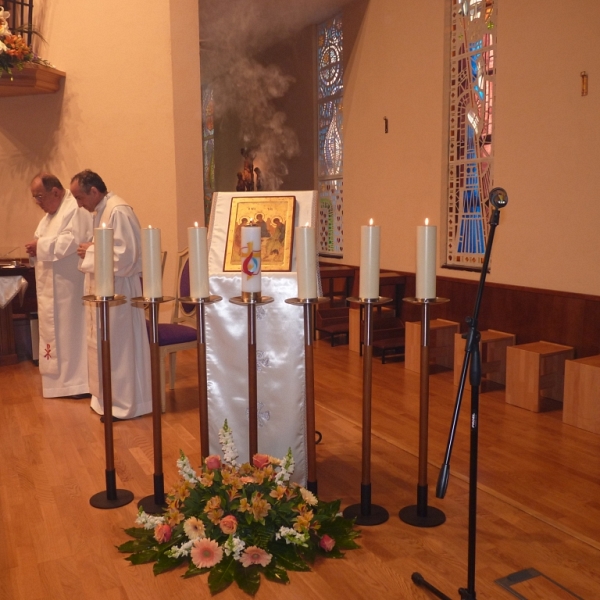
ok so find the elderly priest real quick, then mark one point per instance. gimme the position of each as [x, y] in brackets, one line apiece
[59, 284]
[130, 348]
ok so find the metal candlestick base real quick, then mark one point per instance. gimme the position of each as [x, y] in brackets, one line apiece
[422, 515]
[112, 497]
[309, 379]
[155, 503]
[365, 512]
[202, 377]
[251, 301]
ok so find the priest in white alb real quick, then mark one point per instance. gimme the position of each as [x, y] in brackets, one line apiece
[130, 348]
[59, 285]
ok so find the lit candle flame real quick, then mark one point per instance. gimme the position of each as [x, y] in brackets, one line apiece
[306, 224]
[103, 225]
[195, 223]
[370, 221]
[426, 221]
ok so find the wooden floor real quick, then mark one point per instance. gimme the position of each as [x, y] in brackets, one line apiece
[538, 500]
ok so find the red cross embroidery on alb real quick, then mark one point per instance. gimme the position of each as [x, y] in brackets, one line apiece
[48, 354]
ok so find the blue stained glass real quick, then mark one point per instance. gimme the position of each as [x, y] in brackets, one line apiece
[330, 58]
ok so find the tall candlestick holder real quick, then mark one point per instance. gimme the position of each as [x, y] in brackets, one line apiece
[422, 515]
[251, 300]
[111, 497]
[367, 513]
[309, 305]
[155, 503]
[202, 378]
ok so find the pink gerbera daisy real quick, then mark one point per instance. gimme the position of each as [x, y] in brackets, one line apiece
[255, 556]
[206, 553]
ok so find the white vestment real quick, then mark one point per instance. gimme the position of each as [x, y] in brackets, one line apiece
[129, 345]
[59, 283]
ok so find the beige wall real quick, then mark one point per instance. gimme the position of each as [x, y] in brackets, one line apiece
[129, 109]
[547, 137]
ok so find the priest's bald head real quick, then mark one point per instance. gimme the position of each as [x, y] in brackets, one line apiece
[47, 191]
[88, 189]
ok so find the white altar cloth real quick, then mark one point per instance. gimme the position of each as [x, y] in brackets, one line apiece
[279, 345]
[10, 287]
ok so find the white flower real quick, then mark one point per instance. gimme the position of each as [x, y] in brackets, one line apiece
[178, 551]
[3, 47]
[148, 521]
[291, 536]
[234, 545]
[286, 468]
[185, 469]
[230, 452]
[4, 22]
[308, 497]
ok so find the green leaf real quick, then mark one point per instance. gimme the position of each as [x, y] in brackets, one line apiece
[193, 570]
[273, 572]
[133, 546]
[288, 558]
[166, 563]
[143, 557]
[221, 575]
[140, 533]
[248, 578]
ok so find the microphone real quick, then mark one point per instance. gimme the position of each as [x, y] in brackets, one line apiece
[498, 198]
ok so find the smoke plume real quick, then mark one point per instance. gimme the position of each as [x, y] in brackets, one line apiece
[232, 34]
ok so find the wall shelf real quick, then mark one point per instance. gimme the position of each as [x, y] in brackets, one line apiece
[33, 79]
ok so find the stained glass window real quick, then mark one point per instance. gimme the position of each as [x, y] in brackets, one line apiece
[330, 85]
[472, 75]
[208, 147]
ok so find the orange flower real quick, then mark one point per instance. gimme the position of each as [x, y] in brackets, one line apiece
[162, 533]
[278, 493]
[213, 510]
[255, 556]
[228, 524]
[260, 507]
[260, 461]
[206, 553]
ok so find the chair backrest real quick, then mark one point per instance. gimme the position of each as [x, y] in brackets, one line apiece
[183, 312]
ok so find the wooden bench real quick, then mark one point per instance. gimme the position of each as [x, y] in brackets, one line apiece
[441, 343]
[581, 403]
[492, 347]
[390, 348]
[535, 374]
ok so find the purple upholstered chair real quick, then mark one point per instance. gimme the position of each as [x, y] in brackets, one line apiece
[175, 336]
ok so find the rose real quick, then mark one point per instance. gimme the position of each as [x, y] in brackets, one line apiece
[327, 543]
[162, 533]
[213, 461]
[260, 460]
[228, 524]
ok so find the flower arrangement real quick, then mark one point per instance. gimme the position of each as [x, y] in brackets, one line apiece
[15, 53]
[236, 522]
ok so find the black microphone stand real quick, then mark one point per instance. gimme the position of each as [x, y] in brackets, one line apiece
[498, 199]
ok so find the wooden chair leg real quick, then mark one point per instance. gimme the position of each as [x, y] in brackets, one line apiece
[172, 359]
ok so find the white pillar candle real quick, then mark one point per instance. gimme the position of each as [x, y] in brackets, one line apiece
[426, 260]
[151, 263]
[198, 262]
[306, 262]
[369, 261]
[250, 254]
[104, 277]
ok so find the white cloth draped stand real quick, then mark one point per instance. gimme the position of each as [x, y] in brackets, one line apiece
[280, 348]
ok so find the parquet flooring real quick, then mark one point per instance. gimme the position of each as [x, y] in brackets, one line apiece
[538, 499]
